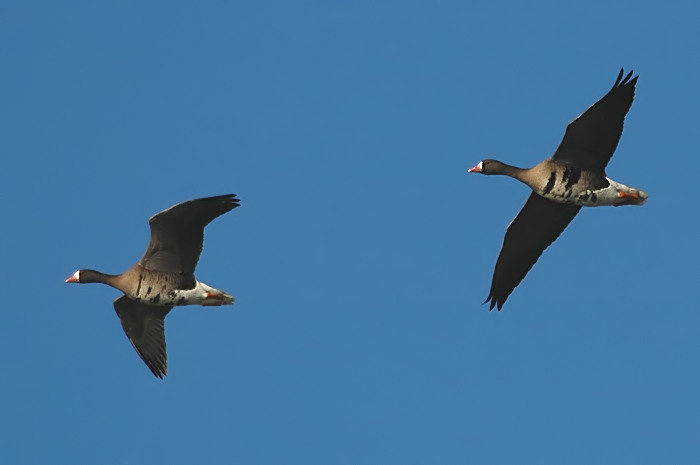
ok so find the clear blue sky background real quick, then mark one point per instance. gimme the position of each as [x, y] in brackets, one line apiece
[362, 251]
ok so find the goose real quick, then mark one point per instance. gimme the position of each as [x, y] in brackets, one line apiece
[164, 277]
[572, 178]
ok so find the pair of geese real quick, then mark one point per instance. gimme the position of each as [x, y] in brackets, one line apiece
[571, 178]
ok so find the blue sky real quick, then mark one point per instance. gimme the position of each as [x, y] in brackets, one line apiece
[362, 250]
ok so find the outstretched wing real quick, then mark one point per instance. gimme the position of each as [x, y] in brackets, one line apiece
[144, 326]
[538, 224]
[590, 140]
[177, 233]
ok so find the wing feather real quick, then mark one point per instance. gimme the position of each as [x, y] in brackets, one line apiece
[535, 227]
[144, 325]
[177, 233]
[591, 139]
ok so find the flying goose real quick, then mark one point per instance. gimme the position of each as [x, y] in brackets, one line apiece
[571, 178]
[164, 277]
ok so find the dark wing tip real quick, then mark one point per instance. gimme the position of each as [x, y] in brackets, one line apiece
[227, 201]
[495, 301]
[231, 199]
[619, 77]
[220, 203]
[155, 358]
[159, 373]
[158, 367]
[619, 82]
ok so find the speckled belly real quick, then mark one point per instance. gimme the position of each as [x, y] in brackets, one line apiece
[568, 190]
[156, 288]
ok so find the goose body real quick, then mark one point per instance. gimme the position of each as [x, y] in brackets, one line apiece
[568, 184]
[164, 277]
[572, 178]
[156, 288]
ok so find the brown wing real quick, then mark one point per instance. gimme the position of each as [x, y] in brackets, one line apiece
[590, 140]
[177, 233]
[538, 224]
[144, 326]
